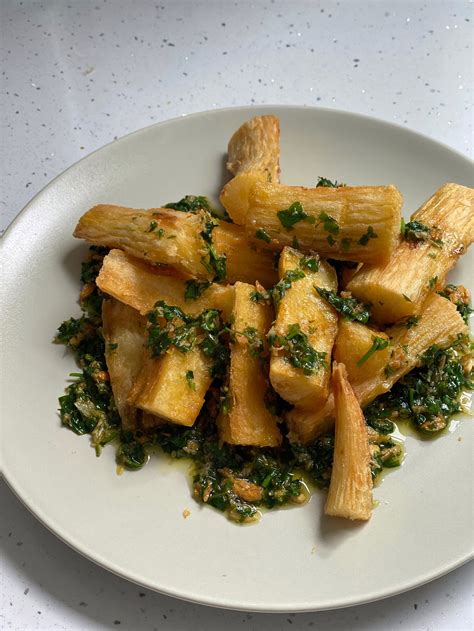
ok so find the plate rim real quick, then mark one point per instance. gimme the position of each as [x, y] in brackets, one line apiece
[227, 605]
[29, 503]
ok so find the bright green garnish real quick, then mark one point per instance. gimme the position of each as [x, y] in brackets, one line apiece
[329, 224]
[195, 288]
[428, 395]
[190, 204]
[170, 326]
[378, 344]
[350, 308]
[297, 350]
[255, 342]
[190, 379]
[416, 231]
[260, 296]
[370, 234]
[310, 262]
[324, 182]
[212, 262]
[280, 289]
[292, 215]
[263, 235]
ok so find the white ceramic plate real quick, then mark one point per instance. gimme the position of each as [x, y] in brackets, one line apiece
[294, 560]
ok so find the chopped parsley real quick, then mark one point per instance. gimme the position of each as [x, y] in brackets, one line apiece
[459, 296]
[263, 235]
[297, 350]
[213, 262]
[349, 307]
[131, 453]
[324, 182]
[378, 344]
[260, 296]
[346, 244]
[292, 215]
[190, 204]
[295, 243]
[409, 322]
[370, 234]
[160, 233]
[310, 263]
[277, 292]
[195, 288]
[255, 343]
[329, 224]
[88, 406]
[170, 326]
[432, 282]
[280, 289]
[91, 297]
[216, 263]
[416, 231]
[190, 379]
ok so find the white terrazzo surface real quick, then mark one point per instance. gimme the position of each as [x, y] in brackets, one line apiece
[76, 74]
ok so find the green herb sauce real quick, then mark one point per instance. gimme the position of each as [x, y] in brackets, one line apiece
[350, 308]
[224, 475]
[297, 350]
[429, 395]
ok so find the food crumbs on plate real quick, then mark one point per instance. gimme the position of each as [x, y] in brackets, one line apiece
[313, 550]
[459, 439]
[186, 513]
[119, 470]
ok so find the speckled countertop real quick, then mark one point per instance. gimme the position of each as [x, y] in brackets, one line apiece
[78, 74]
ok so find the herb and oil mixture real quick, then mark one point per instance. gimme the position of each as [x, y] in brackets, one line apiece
[236, 479]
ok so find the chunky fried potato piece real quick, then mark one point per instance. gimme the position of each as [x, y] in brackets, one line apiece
[350, 489]
[140, 286]
[244, 261]
[164, 387]
[248, 421]
[175, 239]
[359, 223]
[302, 305]
[398, 287]
[157, 235]
[353, 341]
[124, 336]
[253, 155]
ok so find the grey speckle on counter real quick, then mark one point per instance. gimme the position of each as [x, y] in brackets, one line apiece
[46, 585]
[76, 75]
